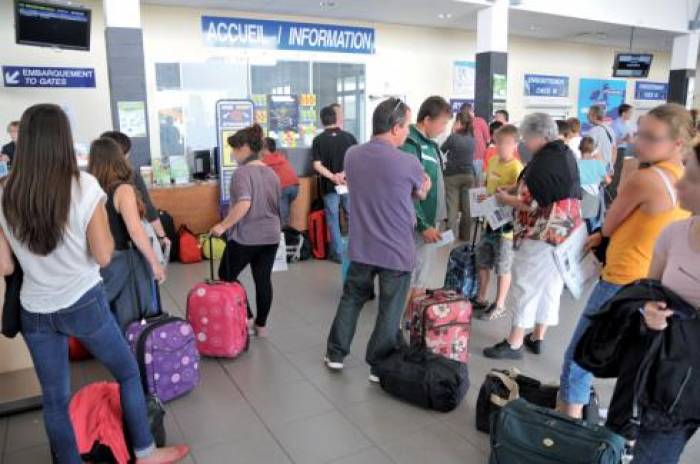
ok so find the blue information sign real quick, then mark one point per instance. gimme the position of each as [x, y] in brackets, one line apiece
[280, 35]
[645, 90]
[537, 85]
[456, 103]
[37, 76]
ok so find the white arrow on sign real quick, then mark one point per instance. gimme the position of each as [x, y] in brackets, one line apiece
[11, 78]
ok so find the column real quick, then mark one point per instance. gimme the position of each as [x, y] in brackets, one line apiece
[491, 56]
[681, 79]
[127, 75]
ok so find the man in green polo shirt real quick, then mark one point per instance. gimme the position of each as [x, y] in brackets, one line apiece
[433, 116]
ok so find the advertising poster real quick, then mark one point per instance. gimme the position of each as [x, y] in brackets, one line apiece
[500, 87]
[609, 93]
[231, 116]
[463, 75]
[132, 118]
[283, 120]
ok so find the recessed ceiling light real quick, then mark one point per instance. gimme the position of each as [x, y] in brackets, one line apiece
[534, 28]
[327, 4]
[445, 15]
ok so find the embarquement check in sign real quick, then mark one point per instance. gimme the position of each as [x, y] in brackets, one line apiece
[48, 77]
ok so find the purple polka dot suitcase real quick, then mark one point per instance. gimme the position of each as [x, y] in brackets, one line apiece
[166, 352]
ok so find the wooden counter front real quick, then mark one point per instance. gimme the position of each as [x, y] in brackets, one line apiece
[195, 204]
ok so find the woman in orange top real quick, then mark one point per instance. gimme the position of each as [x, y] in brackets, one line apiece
[645, 205]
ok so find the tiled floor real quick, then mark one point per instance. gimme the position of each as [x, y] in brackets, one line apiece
[278, 404]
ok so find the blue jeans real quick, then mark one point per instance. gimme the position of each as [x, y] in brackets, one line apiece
[358, 288]
[575, 387]
[332, 203]
[289, 194]
[661, 448]
[90, 321]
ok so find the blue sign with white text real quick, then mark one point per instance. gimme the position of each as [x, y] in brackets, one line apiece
[456, 103]
[37, 76]
[281, 35]
[645, 90]
[546, 86]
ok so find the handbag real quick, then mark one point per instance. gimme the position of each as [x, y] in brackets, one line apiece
[189, 248]
[524, 433]
[12, 306]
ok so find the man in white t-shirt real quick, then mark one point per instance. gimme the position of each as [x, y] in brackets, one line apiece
[603, 136]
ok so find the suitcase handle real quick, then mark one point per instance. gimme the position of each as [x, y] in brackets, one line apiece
[211, 257]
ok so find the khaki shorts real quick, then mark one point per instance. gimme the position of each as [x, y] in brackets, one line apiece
[495, 252]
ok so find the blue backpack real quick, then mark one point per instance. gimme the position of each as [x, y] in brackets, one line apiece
[462, 275]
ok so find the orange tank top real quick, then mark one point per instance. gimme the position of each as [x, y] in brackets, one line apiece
[632, 244]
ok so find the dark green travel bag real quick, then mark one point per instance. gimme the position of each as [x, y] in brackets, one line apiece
[523, 433]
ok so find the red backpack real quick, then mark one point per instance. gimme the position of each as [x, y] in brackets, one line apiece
[188, 245]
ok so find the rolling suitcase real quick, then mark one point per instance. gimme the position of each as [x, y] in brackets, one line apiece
[218, 313]
[462, 276]
[440, 321]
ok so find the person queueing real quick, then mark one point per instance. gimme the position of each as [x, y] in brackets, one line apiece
[128, 279]
[383, 183]
[593, 175]
[328, 151]
[433, 116]
[495, 250]
[676, 263]
[289, 180]
[151, 212]
[253, 221]
[7, 153]
[54, 220]
[459, 174]
[643, 208]
[547, 210]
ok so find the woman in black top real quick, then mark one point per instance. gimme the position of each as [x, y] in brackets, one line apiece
[459, 174]
[128, 270]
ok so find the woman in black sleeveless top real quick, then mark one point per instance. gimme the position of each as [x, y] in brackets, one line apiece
[129, 277]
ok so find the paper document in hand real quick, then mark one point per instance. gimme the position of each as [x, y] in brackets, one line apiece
[480, 208]
[499, 217]
[575, 265]
[447, 238]
[341, 189]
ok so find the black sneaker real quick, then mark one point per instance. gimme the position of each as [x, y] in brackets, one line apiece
[492, 313]
[479, 306]
[503, 351]
[533, 345]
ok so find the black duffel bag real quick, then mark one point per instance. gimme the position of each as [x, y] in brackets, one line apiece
[424, 378]
[503, 386]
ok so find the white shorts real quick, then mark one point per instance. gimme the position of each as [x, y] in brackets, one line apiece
[427, 264]
[537, 286]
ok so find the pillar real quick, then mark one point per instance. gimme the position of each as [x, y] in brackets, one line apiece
[491, 55]
[681, 79]
[126, 70]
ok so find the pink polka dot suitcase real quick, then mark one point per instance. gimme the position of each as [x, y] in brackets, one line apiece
[166, 352]
[218, 314]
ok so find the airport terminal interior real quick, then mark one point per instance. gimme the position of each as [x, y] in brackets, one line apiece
[349, 231]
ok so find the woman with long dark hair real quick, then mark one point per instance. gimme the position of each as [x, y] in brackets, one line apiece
[253, 221]
[459, 174]
[128, 279]
[54, 220]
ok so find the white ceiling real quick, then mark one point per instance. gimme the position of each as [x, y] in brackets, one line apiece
[462, 16]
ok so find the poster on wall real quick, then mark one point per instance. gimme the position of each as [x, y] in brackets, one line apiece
[463, 75]
[283, 120]
[537, 85]
[608, 93]
[500, 87]
[231, 116]
[132, 118]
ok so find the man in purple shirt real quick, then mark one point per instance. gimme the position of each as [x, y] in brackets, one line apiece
[382, 183]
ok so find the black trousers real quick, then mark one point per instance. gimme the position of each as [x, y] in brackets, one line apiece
[261, 259]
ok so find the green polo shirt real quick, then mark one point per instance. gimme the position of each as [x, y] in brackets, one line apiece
[428, 153]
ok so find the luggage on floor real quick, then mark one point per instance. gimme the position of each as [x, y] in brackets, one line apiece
[189, 250]
[440, 321]
[462, 275]
[503, 386]
[166, 353]
[218, 312]
[424, 379]
[318, 234]
[77, 351]
[524, 433]
[166, 220]
[217, 246]
[298, 245]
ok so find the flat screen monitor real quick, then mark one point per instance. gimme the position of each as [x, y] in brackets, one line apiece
[49, 25]
[634, 65]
